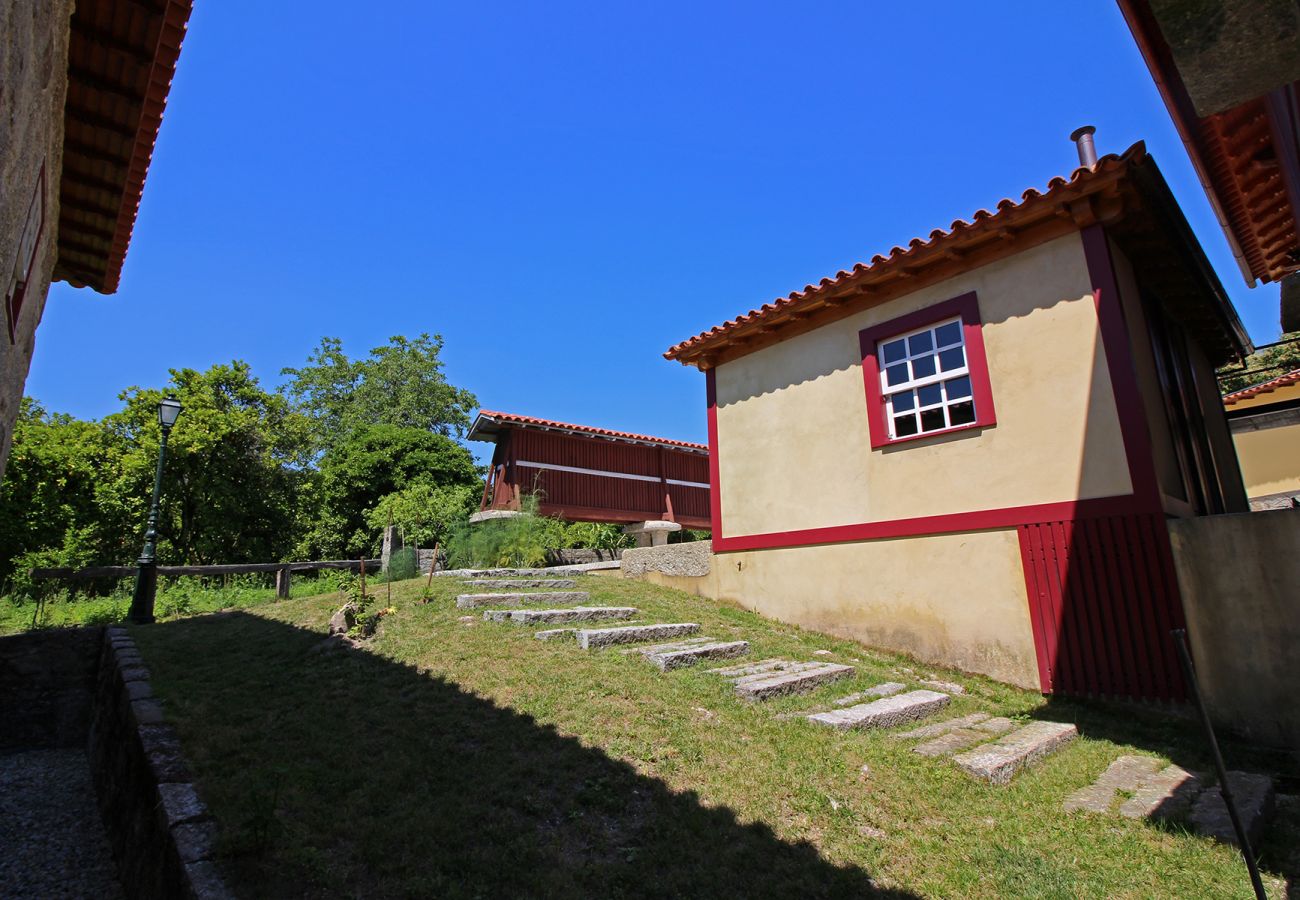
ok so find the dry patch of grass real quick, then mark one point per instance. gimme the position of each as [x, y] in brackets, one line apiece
[467, 759]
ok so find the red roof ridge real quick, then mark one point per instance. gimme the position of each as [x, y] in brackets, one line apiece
[588, 429]
[1264, 387]
[981, 219]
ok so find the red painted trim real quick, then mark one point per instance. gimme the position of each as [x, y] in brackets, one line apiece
[715, 486]
[966, 306]
[1119, 362]
[953, 523]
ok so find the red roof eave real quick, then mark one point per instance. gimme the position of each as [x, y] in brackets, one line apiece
[1266, 387]
[501, 418]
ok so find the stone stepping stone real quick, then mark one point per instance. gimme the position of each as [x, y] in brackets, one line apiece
[961, 738]
[548, 616]
[946, 686]
[1254, 797]
[999, 761]
[1124, 774]
[555, 634]
[519, 584]
[796, 679]
[886, 712]
[594, 638]
[887, 689]
[938, 728]
[676, 656]
[472, 601]
[1166, 795]
[757, 668]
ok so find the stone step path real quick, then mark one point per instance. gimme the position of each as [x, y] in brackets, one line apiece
[1171, 793]
[674, 656]
[473, 601]
[555, 616]
[961, 738]
[887, 689]
[519, 584]
[778, 677]
[887, 712]
[999, 761]
[595, 638]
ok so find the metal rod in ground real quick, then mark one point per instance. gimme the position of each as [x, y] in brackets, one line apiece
[1180, 640]
[433, 564]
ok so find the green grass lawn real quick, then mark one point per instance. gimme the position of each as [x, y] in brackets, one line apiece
[456, 758]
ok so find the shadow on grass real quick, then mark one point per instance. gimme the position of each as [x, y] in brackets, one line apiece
[345, 773]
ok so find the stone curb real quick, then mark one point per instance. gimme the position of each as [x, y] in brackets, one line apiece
[186, 821]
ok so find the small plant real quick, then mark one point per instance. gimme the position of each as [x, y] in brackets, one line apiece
[402, 565]
[353, 589]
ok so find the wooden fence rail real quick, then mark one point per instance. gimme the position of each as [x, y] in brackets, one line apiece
[282, 570]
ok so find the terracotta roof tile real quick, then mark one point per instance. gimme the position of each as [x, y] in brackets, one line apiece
[1059, 189]
[530, 421]
[1265, 387]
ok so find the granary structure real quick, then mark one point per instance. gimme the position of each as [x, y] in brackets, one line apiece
[1229, 73]
[1265, 424]
[82, 93]
[585, 474]
[968, 449]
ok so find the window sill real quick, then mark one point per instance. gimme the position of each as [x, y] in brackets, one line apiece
[929, 435]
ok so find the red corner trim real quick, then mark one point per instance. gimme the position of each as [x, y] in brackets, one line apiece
[715, 487]
[1119, 363]
[966, 306]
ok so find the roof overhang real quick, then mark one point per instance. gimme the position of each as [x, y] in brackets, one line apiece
[1230, 77]
[1127, 194]
[489, 425]
[121, 58]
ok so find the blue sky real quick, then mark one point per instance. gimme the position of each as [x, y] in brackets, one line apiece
[564, 190]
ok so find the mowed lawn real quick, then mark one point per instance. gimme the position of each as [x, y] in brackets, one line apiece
[457, 758]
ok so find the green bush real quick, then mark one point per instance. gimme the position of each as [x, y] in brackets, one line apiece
[403, 565]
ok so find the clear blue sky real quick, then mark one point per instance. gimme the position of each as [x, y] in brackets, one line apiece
[564, 190]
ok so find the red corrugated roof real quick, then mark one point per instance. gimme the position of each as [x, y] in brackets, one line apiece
[919, 251]
[1266, 387]
[530, 421]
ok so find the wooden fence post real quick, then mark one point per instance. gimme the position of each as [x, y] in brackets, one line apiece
[282, 583]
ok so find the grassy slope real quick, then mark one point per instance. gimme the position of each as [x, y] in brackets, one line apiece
[459, 758]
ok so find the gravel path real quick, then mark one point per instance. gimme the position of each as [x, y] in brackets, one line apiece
[52, 842]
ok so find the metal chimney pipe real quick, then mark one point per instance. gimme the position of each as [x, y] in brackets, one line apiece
[1082, 138]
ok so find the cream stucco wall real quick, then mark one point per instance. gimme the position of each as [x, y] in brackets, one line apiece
[1270, 460]
[955, 600]
[794, 448]
[33, 82]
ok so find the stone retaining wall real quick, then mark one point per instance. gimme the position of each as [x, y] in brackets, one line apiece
[692, 560]
[47, 687]
[161, 833]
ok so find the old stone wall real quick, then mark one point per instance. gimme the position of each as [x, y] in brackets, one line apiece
[161, 833]
[1240, 580]
[33, 84]
[691, 559]
[47, 687]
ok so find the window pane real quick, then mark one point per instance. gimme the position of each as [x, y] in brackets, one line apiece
[930, 394]
[903, 401]
[948, 334]
[904, 425]
[923, 367]
[893, 351]
[919, 343]
[961, 413]
[958, 387]
[932, 419]
[896, 374]
[952, 358]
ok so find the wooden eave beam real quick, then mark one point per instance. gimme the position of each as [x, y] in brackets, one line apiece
[69, 201]
[108, 41]
[90, 182]
[100, 122]
[79, 247]
[98, 154]
[94, 81]
[86, 228]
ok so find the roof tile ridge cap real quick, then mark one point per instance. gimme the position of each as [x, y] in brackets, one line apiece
[1261, 388]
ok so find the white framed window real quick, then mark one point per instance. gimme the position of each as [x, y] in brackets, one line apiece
[925, 380]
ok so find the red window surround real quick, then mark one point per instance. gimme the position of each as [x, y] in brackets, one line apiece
[967, 307]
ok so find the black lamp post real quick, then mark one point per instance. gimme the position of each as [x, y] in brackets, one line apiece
[146, 576]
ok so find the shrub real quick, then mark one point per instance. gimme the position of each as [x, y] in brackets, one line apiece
[403, 565]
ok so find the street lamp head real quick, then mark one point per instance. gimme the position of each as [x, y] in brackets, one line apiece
[169, 410]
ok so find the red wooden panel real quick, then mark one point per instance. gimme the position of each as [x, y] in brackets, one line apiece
[1102, 601]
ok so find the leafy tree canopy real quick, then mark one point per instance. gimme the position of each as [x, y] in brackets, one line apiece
[400, 384]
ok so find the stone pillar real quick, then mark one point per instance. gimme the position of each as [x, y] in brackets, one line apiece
[392, 543]
[653, 533]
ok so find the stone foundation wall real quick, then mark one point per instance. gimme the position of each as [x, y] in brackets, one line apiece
[47, 687]
[692, 559]
[161, 833]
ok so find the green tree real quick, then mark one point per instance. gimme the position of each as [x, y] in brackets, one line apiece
[1265, 364]
[52, 498]
[235, 467]
[400, 384]
[372, 462]
[424, 512]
